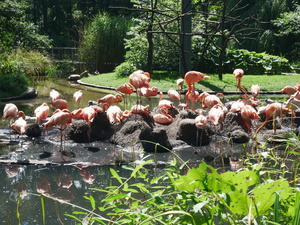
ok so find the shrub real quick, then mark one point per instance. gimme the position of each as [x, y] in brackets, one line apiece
[256, 63]
[125, 69]
[63, 68]
[29, 63]
[102, 47]
[12, 84]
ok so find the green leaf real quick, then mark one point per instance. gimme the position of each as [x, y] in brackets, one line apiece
[156, 179]
[116, 175]
[115, 197]
[241, 180]
[264, 194]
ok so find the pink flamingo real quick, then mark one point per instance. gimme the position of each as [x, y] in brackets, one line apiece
[192, 77]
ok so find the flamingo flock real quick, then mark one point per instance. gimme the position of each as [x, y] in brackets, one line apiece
[213, 109]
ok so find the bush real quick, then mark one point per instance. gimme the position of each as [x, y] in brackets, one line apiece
[63, 68]
[29, 63]
[256, 63]
[102, 47]
[12, 84]
[125, 69]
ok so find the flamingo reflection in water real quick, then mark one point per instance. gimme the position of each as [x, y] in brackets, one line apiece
[43, 185]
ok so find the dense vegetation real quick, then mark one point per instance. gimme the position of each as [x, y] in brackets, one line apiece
[147, 35]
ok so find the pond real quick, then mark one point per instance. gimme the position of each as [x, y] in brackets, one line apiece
[38, 165]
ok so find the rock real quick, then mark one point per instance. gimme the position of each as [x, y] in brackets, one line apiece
[74, 77]
[239, 136]
[33, 130]
[29, 93]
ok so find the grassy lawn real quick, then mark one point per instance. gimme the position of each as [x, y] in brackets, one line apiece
[164, 83]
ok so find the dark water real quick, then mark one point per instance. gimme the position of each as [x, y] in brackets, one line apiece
[69, 172]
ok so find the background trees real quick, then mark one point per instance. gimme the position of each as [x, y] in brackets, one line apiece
[148, 34]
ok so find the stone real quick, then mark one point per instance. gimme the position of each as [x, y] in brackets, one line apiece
[33, 130]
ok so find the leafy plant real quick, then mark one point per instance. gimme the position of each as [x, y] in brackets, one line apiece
[202, 196]
[102, 47]
[12, 84]
[16, 29]
[256, 63]
[125, 69]
[29, 63]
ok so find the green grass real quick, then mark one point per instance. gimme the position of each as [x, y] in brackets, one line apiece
[164, 82]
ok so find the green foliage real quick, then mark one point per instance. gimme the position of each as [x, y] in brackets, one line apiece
[166, 48]
[288, 22]
[12, 84]
[63, 68]
[202, 196]
[125, 69]
[29, 63]
[102, 47]
[15, 28]
[256, 63]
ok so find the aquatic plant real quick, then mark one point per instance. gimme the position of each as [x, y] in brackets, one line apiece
[201, 196]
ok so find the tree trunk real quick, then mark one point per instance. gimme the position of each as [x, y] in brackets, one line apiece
[186, 40]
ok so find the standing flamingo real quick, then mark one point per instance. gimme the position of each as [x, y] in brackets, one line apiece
[126, 89]
[288, 90]
[192, 77]
[255, 89]
[54, 95]
[173, 94]
[147, 92]
[10, 111]
[238, 74]
[179, 84]
[60, 118]
[139, 79]
[89, 113]
[248, 113]
[41, 112]
[77, 96]
[274, 110]
[193, 96]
